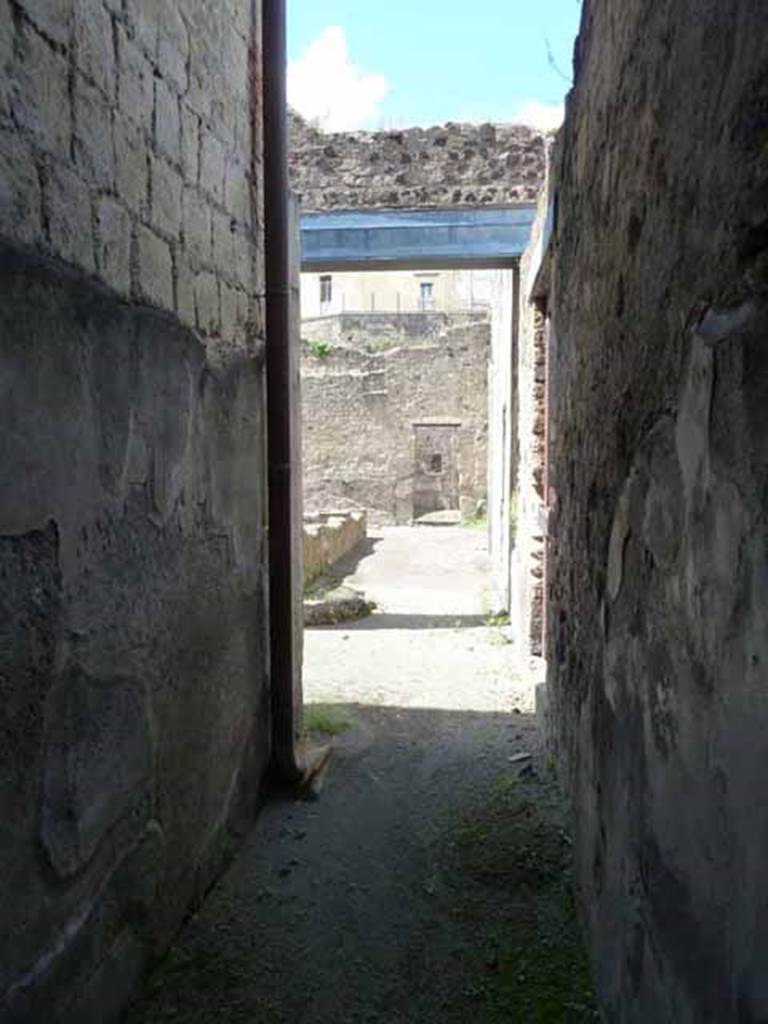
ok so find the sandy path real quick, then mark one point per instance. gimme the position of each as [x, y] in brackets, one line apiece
[428, 644]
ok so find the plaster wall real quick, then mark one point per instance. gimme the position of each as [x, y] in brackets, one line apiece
[658, 618]
[502, 439]
[395, 291]
[133, 636]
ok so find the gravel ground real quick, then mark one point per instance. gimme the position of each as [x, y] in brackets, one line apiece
[429, 883]
[429, 643]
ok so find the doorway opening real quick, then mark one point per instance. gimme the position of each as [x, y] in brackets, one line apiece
[436, 469]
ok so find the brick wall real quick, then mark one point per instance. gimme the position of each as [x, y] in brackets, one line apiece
[527, 604]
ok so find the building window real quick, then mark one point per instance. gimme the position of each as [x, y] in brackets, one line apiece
[326, 289]
[426, 299]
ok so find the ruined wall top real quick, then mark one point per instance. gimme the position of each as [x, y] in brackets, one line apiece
[446, 165]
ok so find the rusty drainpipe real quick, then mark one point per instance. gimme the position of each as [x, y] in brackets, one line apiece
[285, 761]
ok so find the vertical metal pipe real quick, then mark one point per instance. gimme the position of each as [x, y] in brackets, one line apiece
[545, 569]
[279, 398]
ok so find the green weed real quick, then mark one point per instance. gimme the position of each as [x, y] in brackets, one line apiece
[325, 720]
[497, 619]
[321, 349]
[475, 522]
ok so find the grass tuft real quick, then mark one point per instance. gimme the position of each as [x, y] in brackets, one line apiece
[475, 522]
[324, 720]
[497, 619]
[507, 868]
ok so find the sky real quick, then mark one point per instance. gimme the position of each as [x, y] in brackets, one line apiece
[395, 63]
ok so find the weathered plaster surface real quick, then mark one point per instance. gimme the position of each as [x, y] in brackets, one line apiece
[132, 634]
[133, 638]
[502, 438]
[659, 593]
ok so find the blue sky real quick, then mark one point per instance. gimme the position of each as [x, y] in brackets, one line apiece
[392, 63]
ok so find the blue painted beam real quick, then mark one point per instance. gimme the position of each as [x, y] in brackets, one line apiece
[487, 237]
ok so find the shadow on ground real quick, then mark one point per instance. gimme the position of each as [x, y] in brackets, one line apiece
[429, 883]
[404, 620]
[347, 565]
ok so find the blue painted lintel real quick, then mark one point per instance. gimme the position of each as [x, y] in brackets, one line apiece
[484, 237]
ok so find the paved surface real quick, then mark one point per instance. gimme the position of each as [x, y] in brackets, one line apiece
[429, 883]
[429, 643]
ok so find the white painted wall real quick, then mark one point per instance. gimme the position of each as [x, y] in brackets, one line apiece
[393, 291]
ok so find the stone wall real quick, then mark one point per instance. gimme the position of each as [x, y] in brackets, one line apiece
[364, 401]
[373, 331]
[528, 563]
[329, 536]
[133, 635]
[448, 165]
[658, 621]
[126, 150]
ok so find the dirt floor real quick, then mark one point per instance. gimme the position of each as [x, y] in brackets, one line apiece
[430, 881]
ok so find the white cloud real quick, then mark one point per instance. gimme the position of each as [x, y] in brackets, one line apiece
[544, 116]
[326, 87]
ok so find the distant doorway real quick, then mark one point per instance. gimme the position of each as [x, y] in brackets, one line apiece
[435, 473]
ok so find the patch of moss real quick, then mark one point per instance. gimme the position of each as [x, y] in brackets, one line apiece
[324, 720]
[507, 866]
[541, 974]
[318, 585]
[475, 522]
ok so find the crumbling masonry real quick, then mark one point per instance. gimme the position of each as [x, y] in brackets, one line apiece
[447, 165]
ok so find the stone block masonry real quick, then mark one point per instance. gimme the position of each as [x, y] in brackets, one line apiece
[134, 688]
[328, 537]
[125, 136]
[395, 413]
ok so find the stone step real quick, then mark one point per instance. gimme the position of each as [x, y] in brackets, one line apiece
[446, 517]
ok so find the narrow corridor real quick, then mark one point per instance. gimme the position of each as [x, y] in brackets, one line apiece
[431, 880]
